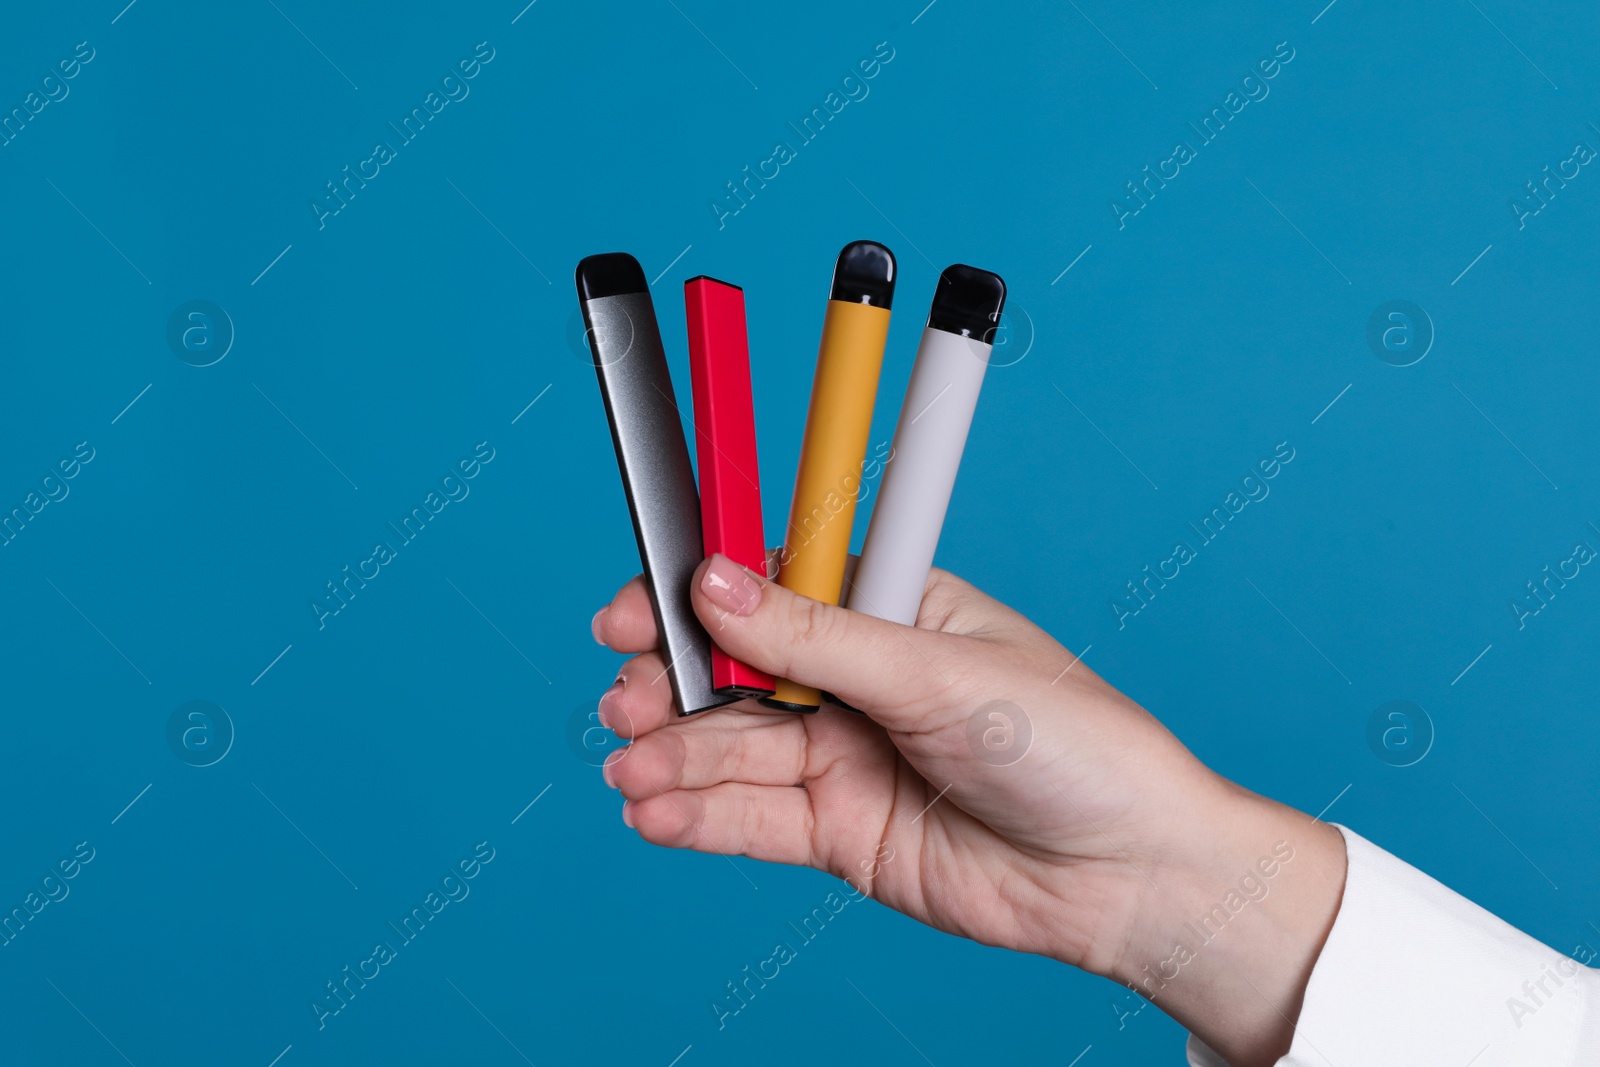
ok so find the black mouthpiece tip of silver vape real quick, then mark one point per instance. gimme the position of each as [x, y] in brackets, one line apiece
[609, 274]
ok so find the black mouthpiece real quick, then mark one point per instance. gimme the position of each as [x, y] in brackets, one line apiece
[968, 302]
[609, 274]
[864, 275]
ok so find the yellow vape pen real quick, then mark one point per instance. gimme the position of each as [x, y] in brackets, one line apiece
[833, 452]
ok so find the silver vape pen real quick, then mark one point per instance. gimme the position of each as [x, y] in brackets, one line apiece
[653, 457]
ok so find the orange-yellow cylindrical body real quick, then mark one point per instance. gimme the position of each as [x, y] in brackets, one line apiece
[828, 482]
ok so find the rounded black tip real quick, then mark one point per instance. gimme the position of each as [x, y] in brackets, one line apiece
[836, 702]
[609, 274]
[968, 302]
[784, 705]
[743, 692]
[864, 275]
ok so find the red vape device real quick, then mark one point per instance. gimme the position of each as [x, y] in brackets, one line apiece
[725, 446]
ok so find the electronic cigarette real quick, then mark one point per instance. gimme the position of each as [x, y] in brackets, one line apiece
[725, 447]
[653, 457]
[834, 449]
[934, 420]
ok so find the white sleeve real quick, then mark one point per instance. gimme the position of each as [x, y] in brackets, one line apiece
[1413, 973]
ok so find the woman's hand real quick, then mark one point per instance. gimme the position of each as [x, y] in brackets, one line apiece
[995, 788]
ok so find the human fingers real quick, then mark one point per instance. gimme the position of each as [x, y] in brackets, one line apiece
[640, 700]
[881, 667]
[764, 822]
[627, 624]
[755, 749]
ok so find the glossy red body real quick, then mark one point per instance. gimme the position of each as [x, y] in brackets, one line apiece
[725, 450]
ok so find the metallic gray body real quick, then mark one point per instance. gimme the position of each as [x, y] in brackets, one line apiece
[625, 344]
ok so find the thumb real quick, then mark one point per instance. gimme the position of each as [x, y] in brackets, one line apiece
[879, 666]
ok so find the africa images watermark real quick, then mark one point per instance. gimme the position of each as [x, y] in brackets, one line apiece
[1254, 487]
[1253, 887]
[54, 88]
[1539, 196]
[1255, 88]
[787, 951]
[454, 88]
[54, 488]
[52, 889]
[453, 888]
[455, 489]
[854, 88]
[851, 490]
[1526, 605]
[1536, 992]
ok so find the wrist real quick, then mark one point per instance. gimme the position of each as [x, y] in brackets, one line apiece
[1231, 918]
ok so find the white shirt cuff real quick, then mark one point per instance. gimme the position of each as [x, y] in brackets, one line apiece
[1414, 973]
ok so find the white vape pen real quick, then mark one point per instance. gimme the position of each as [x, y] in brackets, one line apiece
[934, 420]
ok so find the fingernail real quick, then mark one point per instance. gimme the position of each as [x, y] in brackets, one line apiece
[627, 814]
[605, 768]
[730, 587]
[594, 625]
[608, 698]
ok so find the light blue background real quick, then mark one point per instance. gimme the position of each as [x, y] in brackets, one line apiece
[427, 715]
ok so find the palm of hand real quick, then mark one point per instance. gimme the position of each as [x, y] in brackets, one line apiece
[1017, 848]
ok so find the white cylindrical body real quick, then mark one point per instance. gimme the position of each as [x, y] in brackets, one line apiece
[919, 476]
